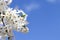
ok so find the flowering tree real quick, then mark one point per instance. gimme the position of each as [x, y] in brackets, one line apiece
[11, 19]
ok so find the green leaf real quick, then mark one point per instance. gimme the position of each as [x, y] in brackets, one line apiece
[23, 15]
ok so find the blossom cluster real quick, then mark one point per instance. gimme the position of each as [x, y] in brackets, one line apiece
[11, 19]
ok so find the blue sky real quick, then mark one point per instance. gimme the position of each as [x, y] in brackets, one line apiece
[43, 18]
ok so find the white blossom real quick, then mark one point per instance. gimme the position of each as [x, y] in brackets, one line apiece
[12, 19]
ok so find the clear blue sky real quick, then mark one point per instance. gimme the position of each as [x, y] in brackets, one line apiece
[43, 18]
